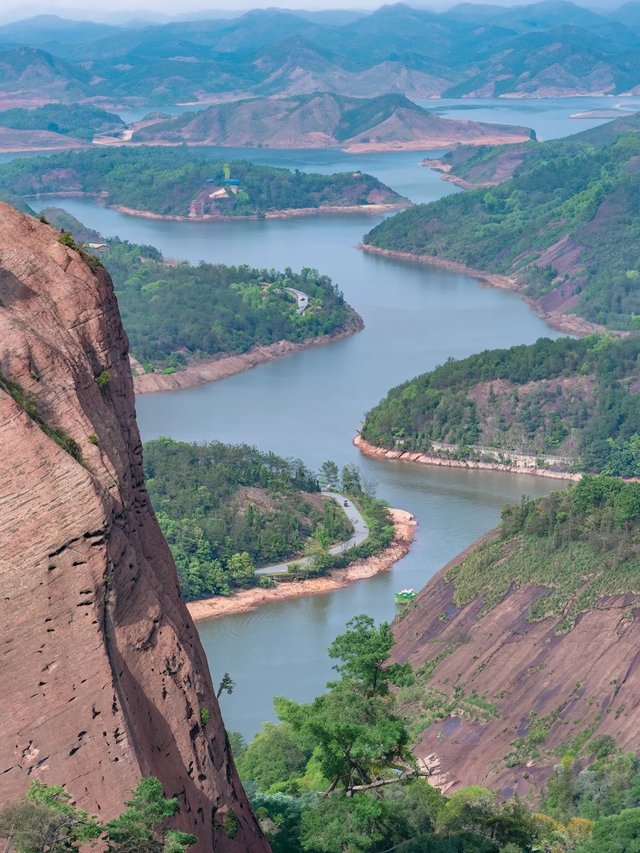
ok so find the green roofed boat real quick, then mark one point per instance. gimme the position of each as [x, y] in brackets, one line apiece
[405, 596]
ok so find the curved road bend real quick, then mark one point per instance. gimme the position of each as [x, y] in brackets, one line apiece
[360, 534]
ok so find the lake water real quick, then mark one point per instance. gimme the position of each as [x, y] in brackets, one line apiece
[310, 404]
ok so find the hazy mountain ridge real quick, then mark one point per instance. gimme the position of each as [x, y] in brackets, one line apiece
[543, 49]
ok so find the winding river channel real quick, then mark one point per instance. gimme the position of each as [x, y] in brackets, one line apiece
[309, 405]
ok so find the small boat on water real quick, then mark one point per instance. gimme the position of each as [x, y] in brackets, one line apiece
[405, 596]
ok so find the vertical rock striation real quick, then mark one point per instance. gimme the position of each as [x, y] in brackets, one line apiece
[103, 678]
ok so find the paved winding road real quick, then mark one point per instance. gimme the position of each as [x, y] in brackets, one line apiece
[301, 298]
[360, 533]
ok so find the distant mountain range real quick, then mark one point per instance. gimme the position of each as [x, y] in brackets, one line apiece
[544, 49]
[324, 120]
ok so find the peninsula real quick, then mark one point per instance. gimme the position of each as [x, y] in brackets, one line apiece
[555, 408]
[171, 310]
[556, 221]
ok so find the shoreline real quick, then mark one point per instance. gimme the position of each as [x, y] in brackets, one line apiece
[570, 324]
[250, 599]
[411, 456]
[426, 143]
[222, 366]
[444, 170]
[285, 213]
[431, 143]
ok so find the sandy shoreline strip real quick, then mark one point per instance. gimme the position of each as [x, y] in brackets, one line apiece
[249, 599]
[411, 456]
[571, 324]
[220, 367]
[285, 213]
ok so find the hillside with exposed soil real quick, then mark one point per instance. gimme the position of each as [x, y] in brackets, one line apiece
[389, 122]
[526, 645]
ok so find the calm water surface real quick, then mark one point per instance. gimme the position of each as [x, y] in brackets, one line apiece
[310, 404]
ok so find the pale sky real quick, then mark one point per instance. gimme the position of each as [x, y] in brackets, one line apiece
[122, 11]
[131, 9]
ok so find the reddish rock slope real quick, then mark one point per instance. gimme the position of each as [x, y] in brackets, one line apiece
[539, 691]
[103, 676]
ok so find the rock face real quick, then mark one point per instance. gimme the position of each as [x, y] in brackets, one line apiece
[516, 694]
[103, 677]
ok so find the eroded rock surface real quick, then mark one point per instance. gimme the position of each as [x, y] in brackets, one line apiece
[517, 694]
[103, 676]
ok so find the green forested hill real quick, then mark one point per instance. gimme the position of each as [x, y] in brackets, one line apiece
[580, 544]
[176, 182]
[176, 312]
[575, 400]
[78, 121]
[225, 509]
[566, 225]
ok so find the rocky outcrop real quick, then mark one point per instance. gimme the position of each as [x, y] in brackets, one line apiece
[519, 463]
[513, 695]
[104, 678]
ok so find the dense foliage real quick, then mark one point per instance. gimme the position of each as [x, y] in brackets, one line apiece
[573, 397]
[581, 544]
[582, 190]
[336, 775]
[174, 312]
[166, 181]
[79, 121]
[46, 821]
[225, 509]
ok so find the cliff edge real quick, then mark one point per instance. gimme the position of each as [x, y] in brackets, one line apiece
[104, 678]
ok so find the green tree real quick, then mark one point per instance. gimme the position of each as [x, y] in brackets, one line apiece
[139, 828]
[273, 756]
[618, 833]
[351, 479]
[329, 474]
[46, 821]
[363, 651]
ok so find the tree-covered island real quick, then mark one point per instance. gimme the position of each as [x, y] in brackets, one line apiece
[175, 182]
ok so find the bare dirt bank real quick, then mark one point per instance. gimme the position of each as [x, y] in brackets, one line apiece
[249, 599]
[571, 324]
[219, 367]
[434, 143]
[286, 213]
[443, 462]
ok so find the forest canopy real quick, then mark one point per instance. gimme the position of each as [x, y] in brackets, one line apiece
[174, 312]
[566, 225]
[571, 399]
[177, 182]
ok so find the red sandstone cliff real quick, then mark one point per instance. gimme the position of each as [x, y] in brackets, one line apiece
[102, 675]
[540, 691]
